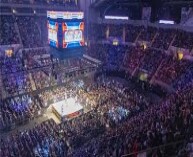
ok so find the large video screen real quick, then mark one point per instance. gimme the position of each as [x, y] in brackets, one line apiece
[73, 34]
[65, 29]
[53, 33]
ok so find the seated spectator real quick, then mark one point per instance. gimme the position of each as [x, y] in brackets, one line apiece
[8, 33]
[172, 68]
[18, 110]
[184, 40]
[26, 25]
[163, 38]
[147, 34]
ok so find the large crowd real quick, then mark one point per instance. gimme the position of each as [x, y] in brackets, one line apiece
[8, 33]
[36, 69]
[26, 25]
[163, 38]
[157, 64]
[160, 38]
[172, 68]
[117, 119]
[156, 126]
[18, 111]
[103, 131]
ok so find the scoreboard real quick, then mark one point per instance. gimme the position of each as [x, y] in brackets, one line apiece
[65, 29]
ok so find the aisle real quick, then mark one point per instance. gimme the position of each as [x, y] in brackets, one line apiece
[2, 90]
[32, 82]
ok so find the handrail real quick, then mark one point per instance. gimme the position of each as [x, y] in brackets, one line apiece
[153, 148]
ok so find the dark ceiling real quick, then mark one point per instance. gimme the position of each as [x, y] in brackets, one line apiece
[133, 8]
[103, 3]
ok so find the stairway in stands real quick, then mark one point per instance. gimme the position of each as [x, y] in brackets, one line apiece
[155, 36]
[17, 30]
[138, 37]
[172, 41]
[2, 90]
[32, 82]
[1, 86]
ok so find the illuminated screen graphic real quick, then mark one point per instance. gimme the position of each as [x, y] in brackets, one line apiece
[66, 15]
[73, 34]
[53, 33]
[65, 29]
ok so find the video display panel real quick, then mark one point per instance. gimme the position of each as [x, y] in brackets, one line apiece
[73, 34]
[53, 33]
[65, 29]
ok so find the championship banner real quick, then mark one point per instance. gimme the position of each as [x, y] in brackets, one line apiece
[146, 13]
[185, 12]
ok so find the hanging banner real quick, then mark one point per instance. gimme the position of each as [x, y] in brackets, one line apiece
[146, 13]
[185, 13]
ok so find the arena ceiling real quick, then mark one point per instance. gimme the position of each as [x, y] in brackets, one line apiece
[133, 8]
[104, 3]
[101, 4]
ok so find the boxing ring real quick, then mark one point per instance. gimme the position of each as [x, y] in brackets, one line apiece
[66, 109]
